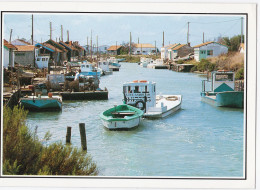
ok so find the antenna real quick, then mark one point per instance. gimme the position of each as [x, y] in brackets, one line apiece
[32, 29]
[61, 30]
[91, 45]
[163, 39]
[10, 35]
[68, 36]
[188, 33]
[242, 30]
[50, 30]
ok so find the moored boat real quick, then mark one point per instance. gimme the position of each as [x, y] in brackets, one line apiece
[41, 103]
[222, 93]
[104, 65]
[142, 94]
[121, 117]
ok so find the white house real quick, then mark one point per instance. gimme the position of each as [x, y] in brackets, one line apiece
[144, 49]
[242, 48]
[209, 49]
[41, 60]
[165, 51]
[8, 54]
[101, 49]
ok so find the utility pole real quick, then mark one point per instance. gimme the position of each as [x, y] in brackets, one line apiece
[32, 29]
[91, 46]
[68, 36]
[10, 35]
[203, 38]
[163, 40]
[188, 33]
[97, 47]
[138, 40]
[242, 30]
[130, 45]
[61, 30]
[116, 47]
[87, 46]
[155, 48]
[50, 30]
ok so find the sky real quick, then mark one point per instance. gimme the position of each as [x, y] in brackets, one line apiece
[112, 28]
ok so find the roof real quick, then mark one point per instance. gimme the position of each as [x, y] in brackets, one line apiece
[144, 46]
[179, 46]
[113, 48]
[59, 46]
[68, 46]
[206, 43]
[25, 48]
[170, 46]
[52, 47]
[24, 41]
[9, 45]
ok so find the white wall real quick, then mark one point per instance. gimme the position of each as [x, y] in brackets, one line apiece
[6, 57]
[217, 50]
[197, 54]
[145, 51]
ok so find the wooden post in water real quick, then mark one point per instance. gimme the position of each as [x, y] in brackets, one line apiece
[68, 135]
[83, 138]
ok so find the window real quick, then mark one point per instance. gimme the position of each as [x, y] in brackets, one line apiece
[87, 66]
[43, 59]
[136, 89]
[224, 77]
[38, 59]
[47, 59]
[210, 52]
[83, 66]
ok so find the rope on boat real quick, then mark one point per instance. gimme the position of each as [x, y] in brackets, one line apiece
[172, 98]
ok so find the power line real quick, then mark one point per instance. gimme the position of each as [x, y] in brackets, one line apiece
[215, 22]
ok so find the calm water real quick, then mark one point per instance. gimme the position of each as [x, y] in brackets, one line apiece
[200, 140]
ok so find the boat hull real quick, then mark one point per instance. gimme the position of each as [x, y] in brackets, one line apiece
[122, 124]
[231, 99]
[171, 108]
[41, 104]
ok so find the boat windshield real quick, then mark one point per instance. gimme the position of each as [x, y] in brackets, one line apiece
[224, 77]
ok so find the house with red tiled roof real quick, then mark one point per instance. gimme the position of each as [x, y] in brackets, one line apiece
[144, 49]
[165, 51]
[114, 49]
[8, 54]
[180, 51]
[209, 49]
[24, 55]
[241, 48]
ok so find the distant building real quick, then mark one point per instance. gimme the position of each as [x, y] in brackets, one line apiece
[24, 55]
[20, 42]
[241, 48]
[180, 51]
[101, 49]
[144, 49]
[114, 50]
[209, 49]
[63, 54]
[165, 51]
[8, 54]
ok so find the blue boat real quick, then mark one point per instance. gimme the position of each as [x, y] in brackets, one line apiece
[41, 103]
[86, 69]
[222, 93]
[113, 62]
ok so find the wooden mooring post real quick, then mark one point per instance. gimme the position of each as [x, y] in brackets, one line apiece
[83, 138]
[68, 135]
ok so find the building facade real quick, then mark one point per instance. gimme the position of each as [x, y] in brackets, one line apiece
[180, 51]
[24, 55]
[114, 50]
[144, 49]
[8, 54]
[165, 51]
[209, 49]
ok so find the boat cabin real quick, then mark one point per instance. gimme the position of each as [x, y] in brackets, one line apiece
[103, 65]
[86, 67]
[222, 81]
[140, 94]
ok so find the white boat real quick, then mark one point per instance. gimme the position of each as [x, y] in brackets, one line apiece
[104, 65]
[157, 64]
[142, 94]
[145, 61]
[86, 69]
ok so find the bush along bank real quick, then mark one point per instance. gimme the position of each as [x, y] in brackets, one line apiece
[24, 154]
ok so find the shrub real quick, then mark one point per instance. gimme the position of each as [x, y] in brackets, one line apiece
[24, 154]
[180, 61]
[240, 74]
[194, 68]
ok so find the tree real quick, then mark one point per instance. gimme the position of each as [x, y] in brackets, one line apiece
[233, 43]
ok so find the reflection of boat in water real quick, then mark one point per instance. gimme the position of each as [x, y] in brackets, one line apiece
[121, 117]
[142, 94]
[222, 91]
[41, 103]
